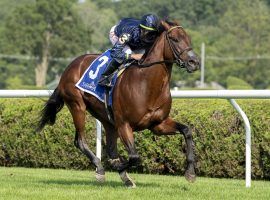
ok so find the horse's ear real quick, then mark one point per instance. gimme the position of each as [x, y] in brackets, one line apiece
[165, 25]
[176, 22]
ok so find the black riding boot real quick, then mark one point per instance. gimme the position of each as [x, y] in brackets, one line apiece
[106, 77]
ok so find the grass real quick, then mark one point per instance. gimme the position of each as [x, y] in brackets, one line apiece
[52, 184]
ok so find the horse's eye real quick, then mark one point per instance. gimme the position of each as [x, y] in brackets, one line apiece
[174, 39]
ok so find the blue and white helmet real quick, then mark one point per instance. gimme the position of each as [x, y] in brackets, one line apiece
[150, 22]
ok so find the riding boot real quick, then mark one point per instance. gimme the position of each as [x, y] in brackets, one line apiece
[106, 77]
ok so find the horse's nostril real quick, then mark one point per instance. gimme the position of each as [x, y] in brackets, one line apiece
[192, 62]
[195, 61]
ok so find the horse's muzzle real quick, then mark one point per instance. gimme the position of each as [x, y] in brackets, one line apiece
[193, 62]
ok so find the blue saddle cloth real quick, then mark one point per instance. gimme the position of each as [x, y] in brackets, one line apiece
[89, 81]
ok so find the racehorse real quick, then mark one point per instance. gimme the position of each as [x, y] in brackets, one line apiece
[141, 100]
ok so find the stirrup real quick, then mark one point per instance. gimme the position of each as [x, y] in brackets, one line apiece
[106, 85]
[105, 82]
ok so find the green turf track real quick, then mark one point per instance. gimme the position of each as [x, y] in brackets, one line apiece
[51, 184]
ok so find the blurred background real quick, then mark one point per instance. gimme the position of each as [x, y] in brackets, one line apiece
[39, 38]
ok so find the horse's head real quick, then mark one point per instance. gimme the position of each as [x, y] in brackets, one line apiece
[180, 46]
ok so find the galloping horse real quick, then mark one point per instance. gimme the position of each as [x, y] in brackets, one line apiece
[141, 100]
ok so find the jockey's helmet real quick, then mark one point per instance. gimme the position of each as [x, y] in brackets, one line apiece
[149, 22]
[149, 28]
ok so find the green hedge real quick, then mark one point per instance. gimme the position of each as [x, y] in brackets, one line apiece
[218, 132]
[234, 83]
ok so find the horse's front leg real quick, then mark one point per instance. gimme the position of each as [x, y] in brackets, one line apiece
[125, 133]
[171, 127]
[115, 161]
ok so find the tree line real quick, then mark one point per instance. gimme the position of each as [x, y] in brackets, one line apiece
[236, 34]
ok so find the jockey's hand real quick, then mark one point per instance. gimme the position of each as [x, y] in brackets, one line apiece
[136, 56]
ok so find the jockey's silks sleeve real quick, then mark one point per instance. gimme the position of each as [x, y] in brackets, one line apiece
[128, 32]
[117, 51]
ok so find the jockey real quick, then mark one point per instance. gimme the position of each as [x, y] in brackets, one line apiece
[130, 37]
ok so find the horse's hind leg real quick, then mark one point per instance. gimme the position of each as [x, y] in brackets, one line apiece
[77, 110]
[171, 127]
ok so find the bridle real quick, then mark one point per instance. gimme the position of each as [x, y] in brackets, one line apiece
[176, 54]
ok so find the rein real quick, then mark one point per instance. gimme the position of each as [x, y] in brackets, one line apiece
[177, 55]
[157, 62]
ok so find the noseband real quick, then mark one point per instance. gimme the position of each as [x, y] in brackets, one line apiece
[176, 54]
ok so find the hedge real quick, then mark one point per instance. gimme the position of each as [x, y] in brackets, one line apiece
[234, 83]
[218, 133]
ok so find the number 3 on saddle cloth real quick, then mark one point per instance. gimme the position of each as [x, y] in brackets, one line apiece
[89, 81]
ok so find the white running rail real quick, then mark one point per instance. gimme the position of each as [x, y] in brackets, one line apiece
[216, 94]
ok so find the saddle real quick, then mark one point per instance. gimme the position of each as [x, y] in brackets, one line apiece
[89, 81]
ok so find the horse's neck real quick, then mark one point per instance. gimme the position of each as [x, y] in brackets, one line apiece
[153, 80]
[157, 53]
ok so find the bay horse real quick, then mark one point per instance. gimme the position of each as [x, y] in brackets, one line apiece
[141, 100]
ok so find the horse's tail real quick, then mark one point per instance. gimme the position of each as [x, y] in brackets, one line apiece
[49, 111]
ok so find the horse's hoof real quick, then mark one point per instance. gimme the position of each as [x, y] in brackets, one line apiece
[190, 177]
[100, 178]
[130, 184]
[127, 180]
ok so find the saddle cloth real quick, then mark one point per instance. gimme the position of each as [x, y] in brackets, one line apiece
[89, 81]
